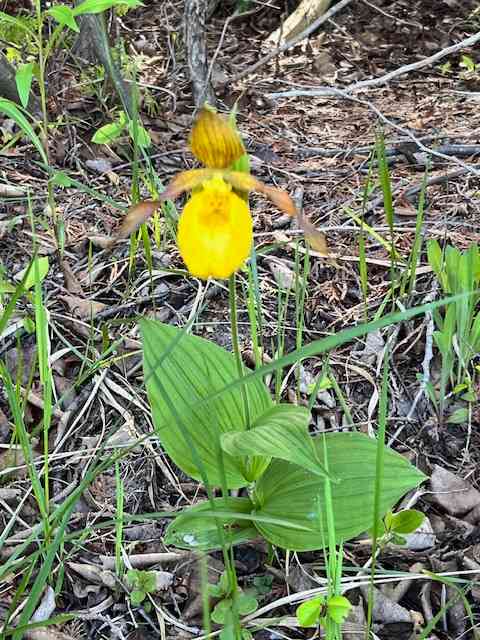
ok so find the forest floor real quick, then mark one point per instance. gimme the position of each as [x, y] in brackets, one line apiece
[319, 149]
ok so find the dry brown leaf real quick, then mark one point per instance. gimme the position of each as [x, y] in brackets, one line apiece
[71, 283]
[93, 573]
[455, 495]
[81, 308]
[315, 238]
[280, 199]
[284, 277]
[101, 242]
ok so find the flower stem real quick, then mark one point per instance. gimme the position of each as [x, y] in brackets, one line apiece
[236, 344]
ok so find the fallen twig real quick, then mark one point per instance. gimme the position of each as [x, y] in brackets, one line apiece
[377, 82]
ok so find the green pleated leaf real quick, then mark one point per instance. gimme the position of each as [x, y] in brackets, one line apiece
[281, 432]
[180, 372]
[286, 490]
[196, 528]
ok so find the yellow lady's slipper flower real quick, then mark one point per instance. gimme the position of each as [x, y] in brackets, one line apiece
[215, 231]
[215, 228]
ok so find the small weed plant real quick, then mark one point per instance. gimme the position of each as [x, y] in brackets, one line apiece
[457, 333]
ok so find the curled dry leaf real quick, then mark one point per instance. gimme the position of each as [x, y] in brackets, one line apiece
[284, 277]
[385, 610]
[11, 190]
[163, 580]
[93, 574]
[71, 283]
[101, 242]
[81, 308]
[141, 560]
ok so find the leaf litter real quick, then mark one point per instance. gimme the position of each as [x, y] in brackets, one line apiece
[291, 144]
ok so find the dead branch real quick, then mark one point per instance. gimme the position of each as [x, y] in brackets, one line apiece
[377, 82]
[291, 43]
[304, 15]
[196, 45]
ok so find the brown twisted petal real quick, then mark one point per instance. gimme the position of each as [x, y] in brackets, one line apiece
[140, 212]
[214, 142]
[246, 182]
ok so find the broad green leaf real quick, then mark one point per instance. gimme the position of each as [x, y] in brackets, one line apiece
[98, 6]
[338, 608]
[288, 491]
[221, 611]
[13, 111]
[246, 604]
[406, 521]
[178, 376]
[23, 80]
[196, 529]
[459, 416]
[43, 267]
[281, 432]
[61, 179]
[108, 133]
[137, 597]
[64, 15]
[308, 613]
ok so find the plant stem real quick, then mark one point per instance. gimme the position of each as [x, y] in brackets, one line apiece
[236, 345]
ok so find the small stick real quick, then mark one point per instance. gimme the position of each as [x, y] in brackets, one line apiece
[377, 82]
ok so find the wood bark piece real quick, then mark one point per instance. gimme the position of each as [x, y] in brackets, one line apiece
[8, 86]
[291, 43]
[307, 12]
[195, 18]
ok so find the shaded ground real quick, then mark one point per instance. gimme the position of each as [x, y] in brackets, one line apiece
[313, 147]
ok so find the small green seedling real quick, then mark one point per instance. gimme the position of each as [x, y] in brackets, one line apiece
[244, 602]
[470, 66]
[457, 334]
[110, 132]
[317, 611]
[263, 584]
[141, 583]
[396, 525]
